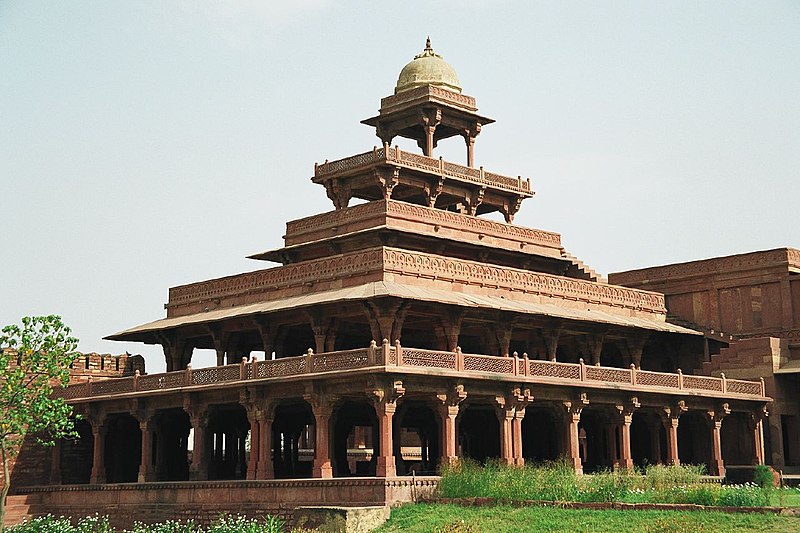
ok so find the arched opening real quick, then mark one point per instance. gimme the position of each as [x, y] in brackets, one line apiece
[737, 440]
[542, 433]
[479, 433]
[355, 437]
[170, 454]
[229, 429]
[76, 455]
[293, 440]
[596, 440]
[416, 439]
[123, 449]
[694, 439]
[648, 439]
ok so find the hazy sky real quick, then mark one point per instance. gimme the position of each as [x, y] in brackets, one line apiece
[150, 144]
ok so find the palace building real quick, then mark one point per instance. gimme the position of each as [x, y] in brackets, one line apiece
[403, 330]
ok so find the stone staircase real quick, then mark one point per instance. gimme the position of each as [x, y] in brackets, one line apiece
[19, 508]
[579, 269]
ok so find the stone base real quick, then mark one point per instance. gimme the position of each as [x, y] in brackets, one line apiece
[204, 501]
[341, 519]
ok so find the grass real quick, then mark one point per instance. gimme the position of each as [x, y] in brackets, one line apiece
[455, 519]
[557, 481]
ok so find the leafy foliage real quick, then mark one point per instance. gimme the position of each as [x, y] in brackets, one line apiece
[34, 358]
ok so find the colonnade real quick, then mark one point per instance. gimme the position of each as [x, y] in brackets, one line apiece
[589, 435]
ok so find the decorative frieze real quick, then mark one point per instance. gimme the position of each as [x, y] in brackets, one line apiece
[420, 265]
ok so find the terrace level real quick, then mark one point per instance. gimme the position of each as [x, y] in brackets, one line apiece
[389, 410]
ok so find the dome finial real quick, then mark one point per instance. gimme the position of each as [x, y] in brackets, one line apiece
[428, 44]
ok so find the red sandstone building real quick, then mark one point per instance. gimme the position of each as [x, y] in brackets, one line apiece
[401, 333]
[748, 307]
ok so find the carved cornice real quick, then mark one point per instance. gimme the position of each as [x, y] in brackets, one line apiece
[788, 257]
[420, 264]
[473, 273]
[417, 213]
[437, 93]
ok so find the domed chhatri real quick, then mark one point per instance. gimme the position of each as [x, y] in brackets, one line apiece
[427, 68]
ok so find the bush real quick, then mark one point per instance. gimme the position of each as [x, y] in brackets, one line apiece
[98, 524]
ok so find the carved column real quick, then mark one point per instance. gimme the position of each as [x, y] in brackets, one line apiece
[255, 440]
[594, 345]
[451, 326]
[385, 400]
[265, 468]
[624, 420]
[386, 318]
[99, 430]
[757, 428]
[550, 337]
[573, 417]
[715, 417]
[635, 345]
[520, 398]
[220, 339]
[448, 410]
[323, 409]
[670, 416]
[146, 470]
[198, 416]
[505, 415]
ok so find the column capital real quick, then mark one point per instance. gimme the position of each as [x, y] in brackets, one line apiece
[452, 397]
[385, 396]
[716, 415]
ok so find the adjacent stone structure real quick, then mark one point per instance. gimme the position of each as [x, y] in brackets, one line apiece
[748, 306]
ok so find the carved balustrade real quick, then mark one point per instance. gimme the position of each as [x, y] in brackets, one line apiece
[395, 156]
[386, 357]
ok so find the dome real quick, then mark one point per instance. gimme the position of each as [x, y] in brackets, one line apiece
[428, 68]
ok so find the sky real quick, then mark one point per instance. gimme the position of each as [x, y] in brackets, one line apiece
[149, 144]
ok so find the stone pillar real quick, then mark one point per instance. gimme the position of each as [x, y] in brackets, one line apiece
[448, 411]
[519, 415]
[716, 466]
[625, 457]
[671, 425]
[758, 441]
[385, 466]
[198, 470]
[470, 141]
[146, 471]
[550, 337]
[265, 469]
[220, 357]
[573, 447]
[448, 415]
[99, 428]
[322, 458]
[505, 415]
[255, 444]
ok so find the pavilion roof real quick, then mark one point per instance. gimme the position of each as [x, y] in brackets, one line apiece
[391, 289]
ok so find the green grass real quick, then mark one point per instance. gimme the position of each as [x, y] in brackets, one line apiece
[455, 519]
[558, 482]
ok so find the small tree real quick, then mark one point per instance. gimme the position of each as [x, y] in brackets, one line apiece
[34, 358]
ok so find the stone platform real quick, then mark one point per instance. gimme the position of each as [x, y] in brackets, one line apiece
[126, 503]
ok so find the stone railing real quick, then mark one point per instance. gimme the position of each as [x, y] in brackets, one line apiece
[386, 356]
[439, 167]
